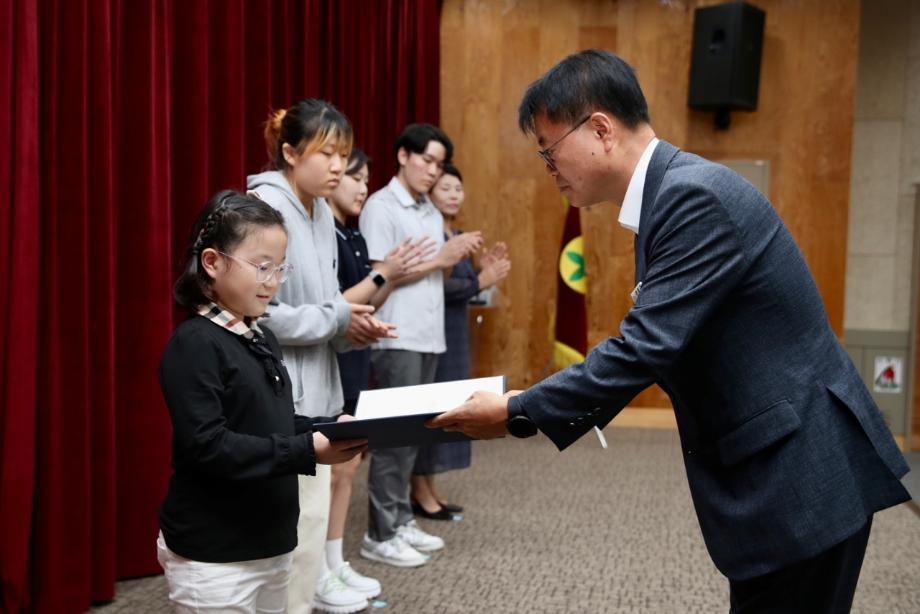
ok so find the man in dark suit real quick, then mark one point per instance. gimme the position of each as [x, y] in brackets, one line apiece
[786, 453]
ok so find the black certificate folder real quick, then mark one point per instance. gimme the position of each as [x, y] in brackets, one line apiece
[394, 432]
[395, 417]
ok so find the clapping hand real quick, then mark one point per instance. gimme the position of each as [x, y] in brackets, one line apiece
[499, 251]
[364, 329]
[495, 265]
[459, 247]
[402, 259]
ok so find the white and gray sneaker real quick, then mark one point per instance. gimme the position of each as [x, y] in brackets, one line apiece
[369, 587]
[413, 535]
[393, 551]
[334, 597]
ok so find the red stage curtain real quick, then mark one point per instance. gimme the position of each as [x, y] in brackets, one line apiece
[19, 297]
[119, 118]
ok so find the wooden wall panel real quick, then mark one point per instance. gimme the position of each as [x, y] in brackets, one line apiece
[491, 51]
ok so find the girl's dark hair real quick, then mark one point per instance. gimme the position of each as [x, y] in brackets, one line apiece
[356, 161]
[585, 82]
[450, 169]
[223, 224]
[310, 123]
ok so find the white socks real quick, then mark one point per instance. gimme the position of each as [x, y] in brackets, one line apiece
[324, 571]
[334, 558]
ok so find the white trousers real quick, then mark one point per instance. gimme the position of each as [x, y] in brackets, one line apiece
[250, 587]
[315, 493]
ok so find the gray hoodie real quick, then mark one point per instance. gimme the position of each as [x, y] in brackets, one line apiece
[311, 315]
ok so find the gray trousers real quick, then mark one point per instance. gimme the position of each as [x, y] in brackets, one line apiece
[391, 468]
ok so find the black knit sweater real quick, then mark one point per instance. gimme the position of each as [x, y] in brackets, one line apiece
[237, 448]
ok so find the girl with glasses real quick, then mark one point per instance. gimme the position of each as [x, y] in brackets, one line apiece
[228, 525]
[308, 145]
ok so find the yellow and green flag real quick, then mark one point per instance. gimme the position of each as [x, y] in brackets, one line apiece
[570, 326]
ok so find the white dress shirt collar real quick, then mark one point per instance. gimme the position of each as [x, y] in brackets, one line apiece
[402, 194]
[631, 210]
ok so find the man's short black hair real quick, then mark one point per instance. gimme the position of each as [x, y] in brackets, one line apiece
[585, 82]
[415, 138]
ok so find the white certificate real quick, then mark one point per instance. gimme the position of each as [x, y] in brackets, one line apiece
[423, 399]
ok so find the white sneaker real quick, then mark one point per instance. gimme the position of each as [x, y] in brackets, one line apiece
[413, 535]
[393, 551]
[333, 596]
[369, 587]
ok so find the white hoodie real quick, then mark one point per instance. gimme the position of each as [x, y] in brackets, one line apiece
[311, 315]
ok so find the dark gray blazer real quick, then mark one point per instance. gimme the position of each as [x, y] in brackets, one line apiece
[786, 452]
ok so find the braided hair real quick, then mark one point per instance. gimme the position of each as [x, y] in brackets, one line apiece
[223, 224]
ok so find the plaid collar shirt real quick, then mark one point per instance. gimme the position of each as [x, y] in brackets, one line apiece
[247, 328]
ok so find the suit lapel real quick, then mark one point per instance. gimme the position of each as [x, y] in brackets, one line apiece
[657, 167]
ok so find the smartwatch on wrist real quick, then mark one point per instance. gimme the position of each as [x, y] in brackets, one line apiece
[378, 279]
[519, 423]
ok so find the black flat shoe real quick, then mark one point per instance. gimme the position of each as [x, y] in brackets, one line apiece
[453, 509]
[441, 514]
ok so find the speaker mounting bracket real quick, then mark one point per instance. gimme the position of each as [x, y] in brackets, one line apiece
[723, 118]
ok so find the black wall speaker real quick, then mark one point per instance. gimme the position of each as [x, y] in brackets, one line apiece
[725, 61]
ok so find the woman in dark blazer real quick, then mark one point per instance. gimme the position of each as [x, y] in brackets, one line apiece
[463, 284]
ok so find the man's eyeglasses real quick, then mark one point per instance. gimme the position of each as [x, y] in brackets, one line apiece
[547, 154]
[266, 270]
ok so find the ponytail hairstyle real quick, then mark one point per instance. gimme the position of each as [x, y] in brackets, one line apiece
[223, 224]
[307, 127]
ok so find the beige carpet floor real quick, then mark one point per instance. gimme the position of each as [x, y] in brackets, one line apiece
[588, 530]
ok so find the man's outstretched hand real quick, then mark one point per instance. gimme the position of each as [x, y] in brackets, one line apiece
[483, 416]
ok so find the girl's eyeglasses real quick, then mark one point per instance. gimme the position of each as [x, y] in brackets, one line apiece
[266, 270]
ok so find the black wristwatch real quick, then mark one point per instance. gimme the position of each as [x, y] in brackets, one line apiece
[378, 279]
[519, 423]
